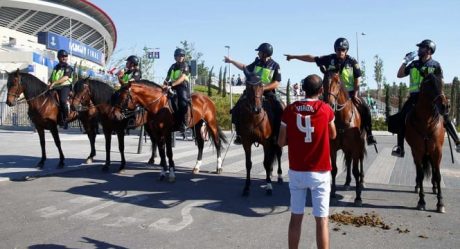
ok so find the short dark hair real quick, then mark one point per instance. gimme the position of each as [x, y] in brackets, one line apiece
[311, 85]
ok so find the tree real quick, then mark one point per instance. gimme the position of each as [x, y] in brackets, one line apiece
[394, 89]
[387, 101]
[210, 82]
[224, 84]
[456, 108]
[363, 75]
[288, 92]
[146, 65]
[192, 54]
[219, 88]
[378, 73]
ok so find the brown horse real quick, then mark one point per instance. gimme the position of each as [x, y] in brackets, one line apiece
[256, 128]
[350, 137]
[425, 135]
[96, 95]
[153, 98]
[43, 109]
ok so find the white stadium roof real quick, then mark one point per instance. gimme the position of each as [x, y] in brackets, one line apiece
[81, 19]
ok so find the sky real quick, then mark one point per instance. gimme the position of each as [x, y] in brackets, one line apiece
[392, 29]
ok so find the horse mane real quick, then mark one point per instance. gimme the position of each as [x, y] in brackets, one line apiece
[101, 92]
[149, 83]
[34, 86]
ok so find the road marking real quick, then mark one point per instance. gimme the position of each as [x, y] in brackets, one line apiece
[53, 211]
[380, 170]
[164, 224]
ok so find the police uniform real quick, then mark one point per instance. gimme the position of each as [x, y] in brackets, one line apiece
[349, 71]
[63, 89]
[131, 75]
[182, 90]
[268, 72]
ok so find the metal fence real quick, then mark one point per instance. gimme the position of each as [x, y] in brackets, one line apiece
[16, 116]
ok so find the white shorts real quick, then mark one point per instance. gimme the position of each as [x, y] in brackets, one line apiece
[320, 185]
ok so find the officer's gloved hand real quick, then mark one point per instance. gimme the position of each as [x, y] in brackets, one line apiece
[409, 57]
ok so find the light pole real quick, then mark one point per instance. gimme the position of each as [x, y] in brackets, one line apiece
[231, 91]
[357, 46]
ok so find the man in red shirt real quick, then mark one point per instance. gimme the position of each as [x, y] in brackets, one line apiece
[306, 127]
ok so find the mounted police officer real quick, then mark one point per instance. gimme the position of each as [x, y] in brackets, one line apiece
[269, 72]
[178, 80]
[415, 69]
[131, 72]
[350, 74]
[61, 81]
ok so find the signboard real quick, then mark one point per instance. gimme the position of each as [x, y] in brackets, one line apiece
[55, 42]
[153, 54]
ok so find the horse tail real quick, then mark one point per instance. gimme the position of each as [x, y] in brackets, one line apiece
[426, 164]
[221, 138]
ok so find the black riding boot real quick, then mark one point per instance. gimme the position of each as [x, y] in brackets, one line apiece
[451, 131]
[236, 122]
[65, 114]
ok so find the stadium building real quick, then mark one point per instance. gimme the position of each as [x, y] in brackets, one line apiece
[32, 31]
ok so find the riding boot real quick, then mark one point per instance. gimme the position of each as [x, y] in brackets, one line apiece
[398, 150]
[452, 132]
[367, 122]
[65, 114]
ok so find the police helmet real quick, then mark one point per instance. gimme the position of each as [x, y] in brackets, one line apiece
[62, 53]
[133, 59]
[341, 43]
[179, 52]
[265, 48]
[429, 44]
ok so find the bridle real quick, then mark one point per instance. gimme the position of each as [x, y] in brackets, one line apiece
[80, 107]
[253, 106]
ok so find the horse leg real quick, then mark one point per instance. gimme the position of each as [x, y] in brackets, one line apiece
[269, 156]
[91, 133]
[121, 148]
[41, 135]
[161, 151]
[361, 172]
[433, 179]
[108, 143]
[247, 152]
[435, 164]
[356, 174]
[333, 172]
[279, 153]
[57, 141]
[169, 153]
[200, 143]
[421, 202]
[348, 166]
[154, 145]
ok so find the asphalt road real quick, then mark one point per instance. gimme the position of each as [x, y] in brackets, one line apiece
[82, 207]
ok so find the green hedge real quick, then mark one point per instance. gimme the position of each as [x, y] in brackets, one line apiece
[379, 124]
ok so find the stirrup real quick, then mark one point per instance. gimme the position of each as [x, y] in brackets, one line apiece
[397, 151]
[371, 140]
[457, 148]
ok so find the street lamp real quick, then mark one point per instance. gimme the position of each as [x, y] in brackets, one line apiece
[357, 49]
[231, 91]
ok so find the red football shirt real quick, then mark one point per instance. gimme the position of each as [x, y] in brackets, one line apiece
[307, 131]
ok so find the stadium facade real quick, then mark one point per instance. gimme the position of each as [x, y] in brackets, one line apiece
[32, 31]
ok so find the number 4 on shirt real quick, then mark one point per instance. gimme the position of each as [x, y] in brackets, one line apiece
[307, 128]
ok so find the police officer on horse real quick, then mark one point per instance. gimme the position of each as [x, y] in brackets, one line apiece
[350, 74]
[269, 72]
[131, 72]
[178, 80]
[61, 81]
[415, 69]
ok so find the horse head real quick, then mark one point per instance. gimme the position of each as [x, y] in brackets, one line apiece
[334, 93]
[254, 92]
[431, 90]
[81, 100]
[15, 88]
[124, 102]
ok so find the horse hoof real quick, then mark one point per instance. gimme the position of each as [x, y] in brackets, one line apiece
[121, 170]
[151, 161]
[89, 161]
[358, 203]
[421, 207]
[269, 192]
[219, 171]
[40, 165]
[362, 185]
[280, 180]
[441, 209]
[416, 190]
[195, 171]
